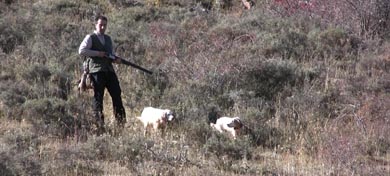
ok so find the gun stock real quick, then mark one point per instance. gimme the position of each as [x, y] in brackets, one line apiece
[126, 62]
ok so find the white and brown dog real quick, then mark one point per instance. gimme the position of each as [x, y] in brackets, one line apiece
[231, 125]
[156, 118]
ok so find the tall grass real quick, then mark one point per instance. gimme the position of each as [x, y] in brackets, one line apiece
[311, 86]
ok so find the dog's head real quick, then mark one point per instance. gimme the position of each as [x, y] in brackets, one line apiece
[236, 123]
[169, 115]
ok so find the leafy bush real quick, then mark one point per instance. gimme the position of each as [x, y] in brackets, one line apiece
[50, 115]
[18, 158]
[336, 43]
[268, 79]
[36, 73]
[12, 96]
[12, 34]
[310, 86]
[220, 145]
[290, 44]
[198, 132]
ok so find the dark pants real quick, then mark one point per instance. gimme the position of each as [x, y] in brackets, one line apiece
[109, 80]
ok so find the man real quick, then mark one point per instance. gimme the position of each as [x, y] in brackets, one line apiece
[98, 47]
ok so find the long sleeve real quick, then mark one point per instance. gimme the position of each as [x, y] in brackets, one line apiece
[85, 47]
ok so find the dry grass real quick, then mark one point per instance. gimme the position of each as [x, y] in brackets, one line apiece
[312, 88]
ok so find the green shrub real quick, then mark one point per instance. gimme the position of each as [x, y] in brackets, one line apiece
[13, 35]
[336, 43]
[288, 45]
[36, 74]
[71, 160]
[268, 79]
[18, 155]
[60, 85]
[19, 164]
[269, 137]
[197, 131]
[12, 96]
[378, 147]
[306, 90]
[222, 145]
[50, 115]
[330, 104]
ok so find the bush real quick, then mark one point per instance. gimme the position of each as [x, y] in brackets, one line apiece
[336, 43]
[70, 160]
[60, 85]
[50, 116]
[222, 145]
[305, 85]
[288, 45]
[18, 157]
[13, 95]
[198, 132]
[268, 79]
[13, 35]
[36, 74]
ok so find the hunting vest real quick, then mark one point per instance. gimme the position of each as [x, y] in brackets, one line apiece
[100, 64]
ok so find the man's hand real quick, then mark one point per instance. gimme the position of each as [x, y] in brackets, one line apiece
[102, 54]
[117, 60]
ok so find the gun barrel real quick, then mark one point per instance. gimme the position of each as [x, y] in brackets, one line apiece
[136, 66]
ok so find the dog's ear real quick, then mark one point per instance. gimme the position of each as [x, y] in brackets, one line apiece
[236, 124]
[173, 113]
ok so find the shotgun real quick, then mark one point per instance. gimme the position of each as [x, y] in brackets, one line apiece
[126, 62]
[85, 80]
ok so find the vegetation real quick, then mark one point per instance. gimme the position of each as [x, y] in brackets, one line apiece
[309, 79]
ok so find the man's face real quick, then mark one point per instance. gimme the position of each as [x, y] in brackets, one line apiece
[101, 26]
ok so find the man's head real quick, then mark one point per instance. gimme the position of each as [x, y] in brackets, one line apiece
[101, 24]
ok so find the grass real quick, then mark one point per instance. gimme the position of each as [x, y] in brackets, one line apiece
[313, 89]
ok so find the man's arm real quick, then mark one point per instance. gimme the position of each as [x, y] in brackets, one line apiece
[85, 48]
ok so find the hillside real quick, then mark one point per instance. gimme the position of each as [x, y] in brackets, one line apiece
[309, 79]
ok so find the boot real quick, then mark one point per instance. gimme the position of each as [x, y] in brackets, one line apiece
[99, 117]
[120, 117]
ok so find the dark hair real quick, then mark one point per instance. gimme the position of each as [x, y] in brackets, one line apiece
[100, 17]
